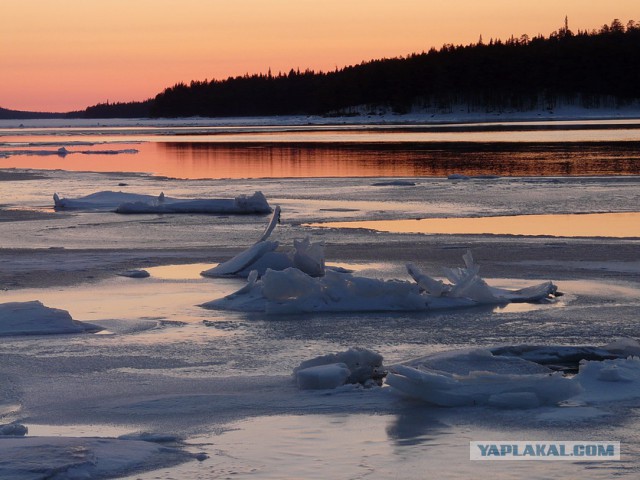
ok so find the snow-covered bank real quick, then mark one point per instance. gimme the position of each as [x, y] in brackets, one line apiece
[358, 116]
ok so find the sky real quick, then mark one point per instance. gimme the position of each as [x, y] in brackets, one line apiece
[65, 55]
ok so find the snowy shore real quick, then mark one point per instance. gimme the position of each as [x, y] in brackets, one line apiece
[361, 116]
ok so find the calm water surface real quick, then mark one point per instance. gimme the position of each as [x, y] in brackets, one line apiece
[517, 149]
[611, 225]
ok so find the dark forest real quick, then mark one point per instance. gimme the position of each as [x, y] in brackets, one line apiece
[519, 73]
[599, 68]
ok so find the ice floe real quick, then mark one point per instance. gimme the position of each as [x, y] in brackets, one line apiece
[294, 291]
[477, 377]
[394, 183]
[305, 256]
[13, 429]
[136, 273]
[33, 318]
[63, 152]
[565, 358]
[466, 283]
[122, 202]
[568, 358]
[83, 457]
[482, 388]
[502, 377]
[356, 365]
[609, 380]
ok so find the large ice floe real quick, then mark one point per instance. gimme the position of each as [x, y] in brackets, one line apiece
[306, 256]
[523, 376]
[477, 377]
[122, 202]
[34, 318]
[293, 291]
[512, 377]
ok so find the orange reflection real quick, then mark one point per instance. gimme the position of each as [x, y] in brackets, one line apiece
[617, 225]
[208, 158]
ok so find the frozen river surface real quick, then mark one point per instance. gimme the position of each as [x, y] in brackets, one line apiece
[209, 394]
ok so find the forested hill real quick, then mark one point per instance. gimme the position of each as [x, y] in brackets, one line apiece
[6, 114]
[519, 73]
[588, 69]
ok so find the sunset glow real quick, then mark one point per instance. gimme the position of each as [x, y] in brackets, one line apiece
[68, 54]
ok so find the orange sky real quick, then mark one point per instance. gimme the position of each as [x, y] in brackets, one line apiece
[67, 54]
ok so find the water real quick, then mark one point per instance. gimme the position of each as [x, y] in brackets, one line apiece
[618, 225]
[277, 151]
[221, 380]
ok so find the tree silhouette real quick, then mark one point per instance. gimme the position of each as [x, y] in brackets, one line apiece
[591, 69]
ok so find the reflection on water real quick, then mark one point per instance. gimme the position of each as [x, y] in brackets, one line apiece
[402, 160]
[189, 271]
[416, 443]
[161, 298]
[216, 160]
[422, 151]
[617, 225]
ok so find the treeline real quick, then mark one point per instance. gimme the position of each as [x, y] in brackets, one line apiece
[101, 110]
[6, 114]
[518, 73]
[116, 110]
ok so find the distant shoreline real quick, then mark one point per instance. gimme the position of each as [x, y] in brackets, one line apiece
[455, 115]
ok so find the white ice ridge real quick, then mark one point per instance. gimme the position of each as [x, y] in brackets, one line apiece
[122, 202]
[33, 318]
[261, 256]
[293, 291]
[482, 377]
